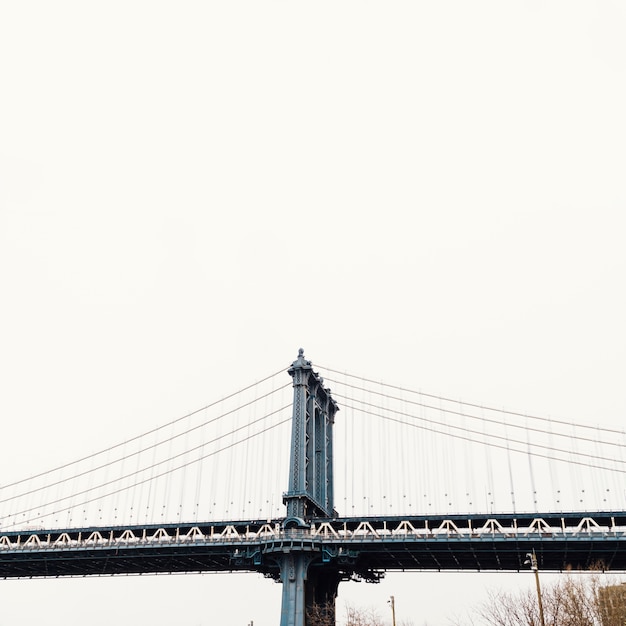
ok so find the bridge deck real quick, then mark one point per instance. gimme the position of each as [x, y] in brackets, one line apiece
[354, 546]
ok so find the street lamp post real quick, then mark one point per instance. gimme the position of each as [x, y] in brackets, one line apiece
[392, 602]
[531, 559]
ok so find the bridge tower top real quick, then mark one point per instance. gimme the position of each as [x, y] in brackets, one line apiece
[310, 492]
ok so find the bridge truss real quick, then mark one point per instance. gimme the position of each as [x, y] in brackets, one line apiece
[361, 548]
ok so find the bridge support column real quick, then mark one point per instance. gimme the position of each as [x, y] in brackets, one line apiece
[308, 582]
[306, 590]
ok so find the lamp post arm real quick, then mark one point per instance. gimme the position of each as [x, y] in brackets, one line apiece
[392, 601]
[532, 560]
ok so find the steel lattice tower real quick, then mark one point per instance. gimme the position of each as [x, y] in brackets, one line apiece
[308, 580]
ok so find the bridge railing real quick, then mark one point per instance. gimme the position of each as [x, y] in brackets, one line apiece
[334, 531]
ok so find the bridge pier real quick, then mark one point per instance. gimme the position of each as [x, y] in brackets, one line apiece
[308, 582]
[307, 589]
[322, 588]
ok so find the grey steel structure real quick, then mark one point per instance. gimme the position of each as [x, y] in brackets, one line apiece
[311, 549]
[305, 580]
[351, 548]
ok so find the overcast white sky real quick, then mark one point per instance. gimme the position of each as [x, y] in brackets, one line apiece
[428, 193]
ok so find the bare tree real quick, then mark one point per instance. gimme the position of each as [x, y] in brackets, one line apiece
[362, 617]
[574, 600]
[318, 615]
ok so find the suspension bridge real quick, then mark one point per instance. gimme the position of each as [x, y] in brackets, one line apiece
[272, 479]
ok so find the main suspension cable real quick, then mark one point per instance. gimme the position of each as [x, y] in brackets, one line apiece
[145, 434]
[485, 443]
[136, 452]
[468, 430]
[154, 477]
[486, 419]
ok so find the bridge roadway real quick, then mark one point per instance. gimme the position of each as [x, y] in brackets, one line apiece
[361, 548]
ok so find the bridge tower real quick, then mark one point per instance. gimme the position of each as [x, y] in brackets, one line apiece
[307, 579]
